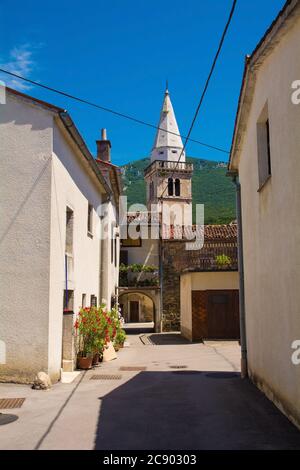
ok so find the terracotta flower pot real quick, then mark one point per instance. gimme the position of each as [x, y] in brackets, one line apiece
[84, 362]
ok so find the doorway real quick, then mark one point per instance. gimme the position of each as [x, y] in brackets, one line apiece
[134, 308]
[215, 314]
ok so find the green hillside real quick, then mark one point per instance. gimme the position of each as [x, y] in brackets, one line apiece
[209, 184]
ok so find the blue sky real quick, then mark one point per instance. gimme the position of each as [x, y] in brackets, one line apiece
[119, 53]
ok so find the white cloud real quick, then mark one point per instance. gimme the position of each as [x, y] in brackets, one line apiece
[20, 62]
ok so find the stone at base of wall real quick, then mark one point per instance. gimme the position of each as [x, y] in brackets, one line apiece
[68, 365]
[27, 379]
[170, 326]
[170, 322]
[186, 333]
[286, 408]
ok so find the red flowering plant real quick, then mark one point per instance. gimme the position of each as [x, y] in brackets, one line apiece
[94, 329]
[86, 331]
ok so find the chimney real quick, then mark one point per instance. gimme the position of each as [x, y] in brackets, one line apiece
[103, 147]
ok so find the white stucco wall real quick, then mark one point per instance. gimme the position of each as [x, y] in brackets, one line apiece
[201, 281]
[110, 262]
[271, 230]
[43, 172]
[25, 170]
[73, 185]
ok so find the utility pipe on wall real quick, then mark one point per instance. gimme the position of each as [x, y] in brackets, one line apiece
[243, 337]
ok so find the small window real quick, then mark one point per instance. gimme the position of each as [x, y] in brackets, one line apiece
[170, 187]
[90, 219]
[68, 300]
[115, 250]
[177, 187]
[112, 246]
[69, 230]
[131, 242]
[151, 190]
[83, 301]
[263, 147]
[174, 151]
[93, 301]
[161, 153]
[124, 257]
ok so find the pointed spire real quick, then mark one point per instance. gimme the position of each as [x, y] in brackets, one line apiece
[167, 143]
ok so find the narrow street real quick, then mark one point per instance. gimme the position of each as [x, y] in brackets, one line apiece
[185, 396]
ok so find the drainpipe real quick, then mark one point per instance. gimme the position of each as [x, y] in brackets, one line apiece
[66, 280]
[160, 282]
[243, 338]
[103, 256]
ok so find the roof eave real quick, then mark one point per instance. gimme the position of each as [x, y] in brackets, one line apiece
[265, 46]
[76, 137]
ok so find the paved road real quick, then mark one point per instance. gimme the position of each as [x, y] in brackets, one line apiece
[189, 397]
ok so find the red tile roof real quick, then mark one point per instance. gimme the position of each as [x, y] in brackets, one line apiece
[222, 232]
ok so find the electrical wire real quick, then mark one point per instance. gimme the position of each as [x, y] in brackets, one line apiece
[187, 138]
[108, 110]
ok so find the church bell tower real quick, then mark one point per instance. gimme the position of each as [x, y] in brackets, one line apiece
[168, 179]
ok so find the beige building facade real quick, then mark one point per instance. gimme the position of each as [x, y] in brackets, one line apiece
[265, 159]
[202, 282]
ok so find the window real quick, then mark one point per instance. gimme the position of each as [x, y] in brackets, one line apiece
[83, 301]
[69, 230]
[177, 187]
[68, 300]
[170, 187]
[174, 151]
[161, 153]
[131, 242]
[151, 190]
[124, 257]
[115, 250]
[90, 220]
[268, 146]
[93, 301]
[263, 147]
[112, 246]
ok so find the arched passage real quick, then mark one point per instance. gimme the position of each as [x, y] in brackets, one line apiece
[138, 306]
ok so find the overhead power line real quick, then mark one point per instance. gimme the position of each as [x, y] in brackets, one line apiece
[108, 110]
[187, 138]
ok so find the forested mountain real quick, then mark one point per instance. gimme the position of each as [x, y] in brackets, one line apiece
[210, 186]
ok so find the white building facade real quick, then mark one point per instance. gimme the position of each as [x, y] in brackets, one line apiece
[265, 158]
[50, 247]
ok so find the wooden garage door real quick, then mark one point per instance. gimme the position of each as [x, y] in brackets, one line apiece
[215, 314]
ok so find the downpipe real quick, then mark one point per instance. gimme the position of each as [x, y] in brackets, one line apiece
[243, 337]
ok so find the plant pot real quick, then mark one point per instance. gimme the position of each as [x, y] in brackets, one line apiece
[96, 359]
[84, 362]
[117, 347]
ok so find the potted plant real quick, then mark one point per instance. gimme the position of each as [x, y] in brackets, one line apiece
[223, 261]
[119, 338]
[86, 332]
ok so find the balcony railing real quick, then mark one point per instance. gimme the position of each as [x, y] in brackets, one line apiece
[209, 258]
[167, 165]
[138, 276]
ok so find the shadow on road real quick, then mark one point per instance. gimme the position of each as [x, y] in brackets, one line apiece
[191, 410]
[168, 339]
